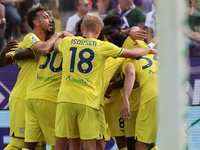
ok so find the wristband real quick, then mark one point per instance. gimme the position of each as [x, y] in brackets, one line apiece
[151, 45]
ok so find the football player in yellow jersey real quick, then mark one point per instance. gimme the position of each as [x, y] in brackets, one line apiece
[144, 71]
[119, 128]
[80, 91]
[17, 104]
[40, 41]
[111, 69]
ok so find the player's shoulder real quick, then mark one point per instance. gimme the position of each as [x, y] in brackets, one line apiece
[31, 36]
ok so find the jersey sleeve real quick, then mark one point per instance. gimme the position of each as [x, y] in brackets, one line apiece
[126, 62]
[30, 40]
[111, 50]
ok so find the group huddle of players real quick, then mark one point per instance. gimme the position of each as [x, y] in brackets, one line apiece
[74, 90]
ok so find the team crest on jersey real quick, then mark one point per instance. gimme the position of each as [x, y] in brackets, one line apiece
[116, 46]
[21, 130]
[33, 39]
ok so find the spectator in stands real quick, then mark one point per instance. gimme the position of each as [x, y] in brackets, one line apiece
[194, 24]
[24, 6]
[147, 6]
[129, 13]
[83, 8]
[105, 6]
[151, 24]
[12, 17]
[2, 25]
[65, 10]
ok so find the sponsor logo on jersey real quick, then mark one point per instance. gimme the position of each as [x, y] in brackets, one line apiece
[39, 77]
[78, 81]
[152, 72]
[33, 39]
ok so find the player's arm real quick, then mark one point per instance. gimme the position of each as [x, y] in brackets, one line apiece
[4, 58]
[128, 86]
[43, 48]
[21, 54]
[149, 34]
[137, 52]
[54, 9]
[116, 85]
[56, 45]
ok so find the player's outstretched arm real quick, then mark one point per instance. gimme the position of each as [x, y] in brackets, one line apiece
[128, 86]
[137, 52]
[7, 59]
[21, 54]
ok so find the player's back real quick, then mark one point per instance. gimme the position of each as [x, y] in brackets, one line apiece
[146, 69]
[47, 78]
[83, 64]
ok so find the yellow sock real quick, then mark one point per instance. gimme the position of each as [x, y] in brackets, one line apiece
[15, 144]
[125, 148]
[41, 146]
[154, 148]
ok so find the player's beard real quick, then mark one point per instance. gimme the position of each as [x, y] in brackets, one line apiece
[46, 29]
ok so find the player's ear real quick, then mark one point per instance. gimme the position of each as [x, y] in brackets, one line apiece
[35, 22]
[98, 30]
[81, 29]
[119, 29]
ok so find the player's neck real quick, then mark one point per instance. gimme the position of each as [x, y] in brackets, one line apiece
[121, 40]
[89, 34]
[40, 34]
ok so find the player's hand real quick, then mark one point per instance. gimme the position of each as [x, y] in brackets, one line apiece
[108, 91]
[64, 34]
[137, 34]
[125, 110]
[153, 51]
[9, 45]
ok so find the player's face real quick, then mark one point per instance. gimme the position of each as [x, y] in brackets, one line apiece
[125, 4]
[111, 34]
[45, 22]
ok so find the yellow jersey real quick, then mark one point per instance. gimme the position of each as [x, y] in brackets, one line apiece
[146, 69]
[83, 64]
[26, 68]
[116, 95]
[47, 78]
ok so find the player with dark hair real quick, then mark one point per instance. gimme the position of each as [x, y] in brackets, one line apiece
[118, 128]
